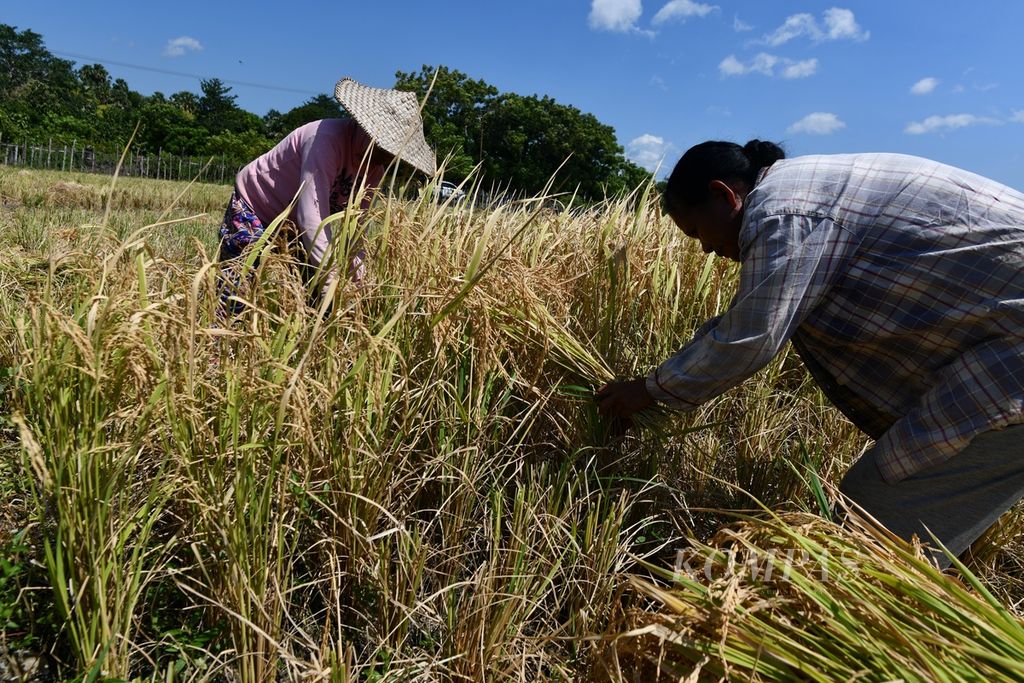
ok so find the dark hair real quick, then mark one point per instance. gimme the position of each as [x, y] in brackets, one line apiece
[717, 160]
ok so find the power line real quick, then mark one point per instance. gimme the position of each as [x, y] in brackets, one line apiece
[100, 60]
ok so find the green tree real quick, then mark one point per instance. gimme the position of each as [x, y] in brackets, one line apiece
[320, 107]
[242, 146]
[171, 129]
[217, 111]
[186, 101]
[527, 139]
[24, 60]
[519, 141]
[124, 97]
[96, 84]
[454, 116]
[65, 128]
[33, 83]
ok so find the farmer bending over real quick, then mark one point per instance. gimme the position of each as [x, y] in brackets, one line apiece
[331, 160]
[900, 282]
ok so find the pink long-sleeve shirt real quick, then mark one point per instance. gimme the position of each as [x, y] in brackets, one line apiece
[326, 157]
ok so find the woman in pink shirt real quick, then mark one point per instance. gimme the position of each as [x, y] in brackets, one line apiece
[322, 166]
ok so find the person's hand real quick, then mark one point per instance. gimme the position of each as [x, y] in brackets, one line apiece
[623, 398]
[357, 268]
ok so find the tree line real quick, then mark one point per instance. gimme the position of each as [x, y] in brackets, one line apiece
[517, 141]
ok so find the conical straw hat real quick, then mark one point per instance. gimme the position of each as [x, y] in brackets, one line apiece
[391, 118]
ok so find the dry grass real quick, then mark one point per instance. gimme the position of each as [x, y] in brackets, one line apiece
[798, 598]
[410, 485]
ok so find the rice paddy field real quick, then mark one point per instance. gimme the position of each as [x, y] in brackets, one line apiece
[410, 482]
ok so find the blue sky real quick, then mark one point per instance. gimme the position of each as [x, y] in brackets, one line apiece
[936, 78]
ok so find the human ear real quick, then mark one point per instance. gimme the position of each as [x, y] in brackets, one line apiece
[721, 189]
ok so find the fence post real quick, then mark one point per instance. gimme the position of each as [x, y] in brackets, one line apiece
[71, 166]
[49, 151]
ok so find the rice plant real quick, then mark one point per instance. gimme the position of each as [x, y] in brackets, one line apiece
[407, 480]
[799, 598]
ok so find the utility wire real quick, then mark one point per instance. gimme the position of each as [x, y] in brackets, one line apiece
[99, 60]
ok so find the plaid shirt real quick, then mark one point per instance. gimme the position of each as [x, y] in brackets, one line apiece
[900, 282]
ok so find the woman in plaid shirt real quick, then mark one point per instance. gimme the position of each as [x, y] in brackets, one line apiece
[900, 281]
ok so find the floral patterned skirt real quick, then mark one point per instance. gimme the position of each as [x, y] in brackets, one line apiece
[240, 228]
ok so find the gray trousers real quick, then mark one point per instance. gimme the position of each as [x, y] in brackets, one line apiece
[957, 500]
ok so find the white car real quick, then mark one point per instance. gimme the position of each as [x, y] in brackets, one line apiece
[446, 190]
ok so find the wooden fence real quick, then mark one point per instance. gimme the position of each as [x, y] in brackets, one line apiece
[137, 163]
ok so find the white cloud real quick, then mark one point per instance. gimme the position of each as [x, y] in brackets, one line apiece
[765, 64]
[794, 27]
[649, 151]
[682, 9]
[818, 123]
[803, 69]
[938, 124]
[730, 66]
[839, 24]
[842, 25]
[739, 25]
[1018, 117]
[924, 86]
[615, 15]
[179, 46]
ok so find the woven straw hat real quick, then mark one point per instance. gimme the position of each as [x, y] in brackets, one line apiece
[391, 118]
